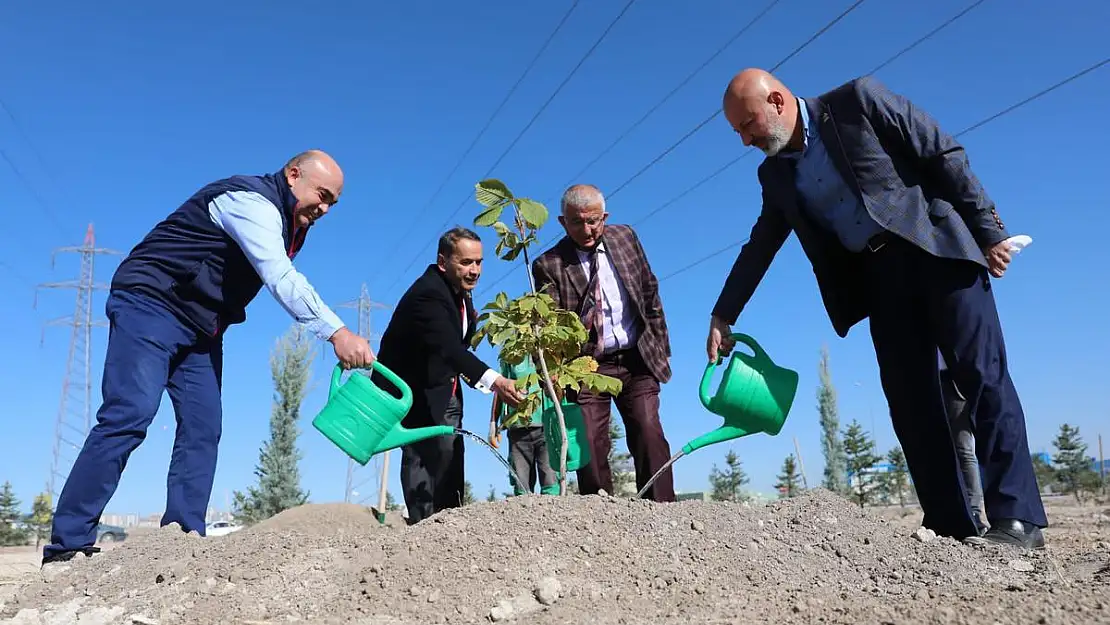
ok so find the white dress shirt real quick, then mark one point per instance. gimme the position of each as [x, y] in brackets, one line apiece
[617, 309]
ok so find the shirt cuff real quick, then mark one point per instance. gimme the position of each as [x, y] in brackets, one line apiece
[486, 382]
[326, 325]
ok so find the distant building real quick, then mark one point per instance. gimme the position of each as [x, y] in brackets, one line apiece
[695, 496]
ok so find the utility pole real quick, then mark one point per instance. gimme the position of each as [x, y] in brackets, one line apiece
[365, 307]
[75, 408]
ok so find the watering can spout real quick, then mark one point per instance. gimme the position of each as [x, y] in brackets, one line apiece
[720, 435]
[400, 436]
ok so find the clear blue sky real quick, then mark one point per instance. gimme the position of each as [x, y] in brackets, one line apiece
[131, 108]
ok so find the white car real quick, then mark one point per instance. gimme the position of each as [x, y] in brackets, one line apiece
[222, 528]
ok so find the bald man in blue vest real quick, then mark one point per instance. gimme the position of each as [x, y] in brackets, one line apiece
[171, 301]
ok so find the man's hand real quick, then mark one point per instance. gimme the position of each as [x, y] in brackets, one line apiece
[507, 391]
[352, 350]
[998, 258]
[720, 339]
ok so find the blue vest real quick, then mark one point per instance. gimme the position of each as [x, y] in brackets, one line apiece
[193, 267]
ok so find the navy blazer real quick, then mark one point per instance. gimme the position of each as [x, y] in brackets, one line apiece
[913, 178]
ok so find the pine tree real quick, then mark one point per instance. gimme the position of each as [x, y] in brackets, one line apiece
[468, 493]
[279, 479]
[1073, 468]
[728, 485]
[788, 481]
[492, 496]
[41, 517]
[831, 446]
[620, 463]
[10, 533]
[391, 501]
[897, 480]
[1046, 475]
[860, 452]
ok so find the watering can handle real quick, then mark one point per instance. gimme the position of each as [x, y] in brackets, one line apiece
[406, 392]
[707, 377]
[750, 342]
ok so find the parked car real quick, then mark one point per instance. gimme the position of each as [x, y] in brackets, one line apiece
[110, 533]
[222, 528]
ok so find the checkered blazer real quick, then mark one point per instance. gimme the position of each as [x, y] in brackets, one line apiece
[559, 273]
[915, 180]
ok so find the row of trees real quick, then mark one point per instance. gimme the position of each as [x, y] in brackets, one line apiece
[851, 456]
[19, 528]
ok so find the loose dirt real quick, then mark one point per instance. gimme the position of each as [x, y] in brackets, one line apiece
[548, 560]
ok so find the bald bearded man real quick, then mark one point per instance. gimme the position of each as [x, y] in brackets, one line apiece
[172, 299]
[898, 230]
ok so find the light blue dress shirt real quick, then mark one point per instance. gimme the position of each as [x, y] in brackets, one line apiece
[826, 195]
[255, 224]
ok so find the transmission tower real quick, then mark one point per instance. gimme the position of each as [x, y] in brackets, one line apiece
[365, 307]
[75, 408]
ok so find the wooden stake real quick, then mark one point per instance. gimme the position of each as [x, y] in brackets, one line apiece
[801, 465]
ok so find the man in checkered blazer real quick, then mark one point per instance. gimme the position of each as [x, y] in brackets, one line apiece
[898, 230]
[601, 272]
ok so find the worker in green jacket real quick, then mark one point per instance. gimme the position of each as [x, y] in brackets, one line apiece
[527, 447]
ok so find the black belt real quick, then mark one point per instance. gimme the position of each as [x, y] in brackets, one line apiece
[877, 242]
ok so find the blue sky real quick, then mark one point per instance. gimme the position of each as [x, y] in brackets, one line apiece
[121, 111]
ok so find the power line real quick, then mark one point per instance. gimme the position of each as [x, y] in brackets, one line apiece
[34, 193]
[482, 132]
[699, 126]
[974, 126]
[675, 90]
[550, 98]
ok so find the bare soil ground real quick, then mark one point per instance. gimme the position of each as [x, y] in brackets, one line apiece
[548, 560]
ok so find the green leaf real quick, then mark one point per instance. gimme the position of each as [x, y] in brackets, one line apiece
[500, 227]
[533, 212]
[502, 301]
[489, 216]
[492, 192]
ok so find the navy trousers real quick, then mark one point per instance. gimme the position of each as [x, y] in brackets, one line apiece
[149, 351]
[920, 303]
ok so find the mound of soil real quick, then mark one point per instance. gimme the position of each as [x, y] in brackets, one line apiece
[811, 559]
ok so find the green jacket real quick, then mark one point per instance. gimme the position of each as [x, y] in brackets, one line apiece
[515, 372]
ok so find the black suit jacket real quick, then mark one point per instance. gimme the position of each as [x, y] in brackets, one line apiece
[912, 177]
[424, 345]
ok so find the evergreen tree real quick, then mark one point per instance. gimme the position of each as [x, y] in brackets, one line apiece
[620, 463]
[831, 446]
[860, 452]
[788, 482]
[279, 479]
[1073, 467]
[41, 517]
[896, 482]
[468, 493]
[1046, 475]
[10, 515]
[391, 501]
[728, 485]
[492, 496]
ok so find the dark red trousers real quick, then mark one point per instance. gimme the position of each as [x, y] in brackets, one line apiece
[638, 403]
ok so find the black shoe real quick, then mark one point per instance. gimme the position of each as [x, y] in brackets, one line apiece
[1011, 532]
[66, 556]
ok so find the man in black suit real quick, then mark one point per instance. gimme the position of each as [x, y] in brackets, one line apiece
[427, 345]
[899, 230]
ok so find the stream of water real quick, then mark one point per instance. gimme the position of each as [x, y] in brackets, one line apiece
[500, 458]
[665, 467]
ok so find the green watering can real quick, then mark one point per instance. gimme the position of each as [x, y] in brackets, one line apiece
[363, 420]
[755, 395]
[578, 442]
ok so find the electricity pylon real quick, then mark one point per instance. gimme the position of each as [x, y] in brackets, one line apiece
[75, 407]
